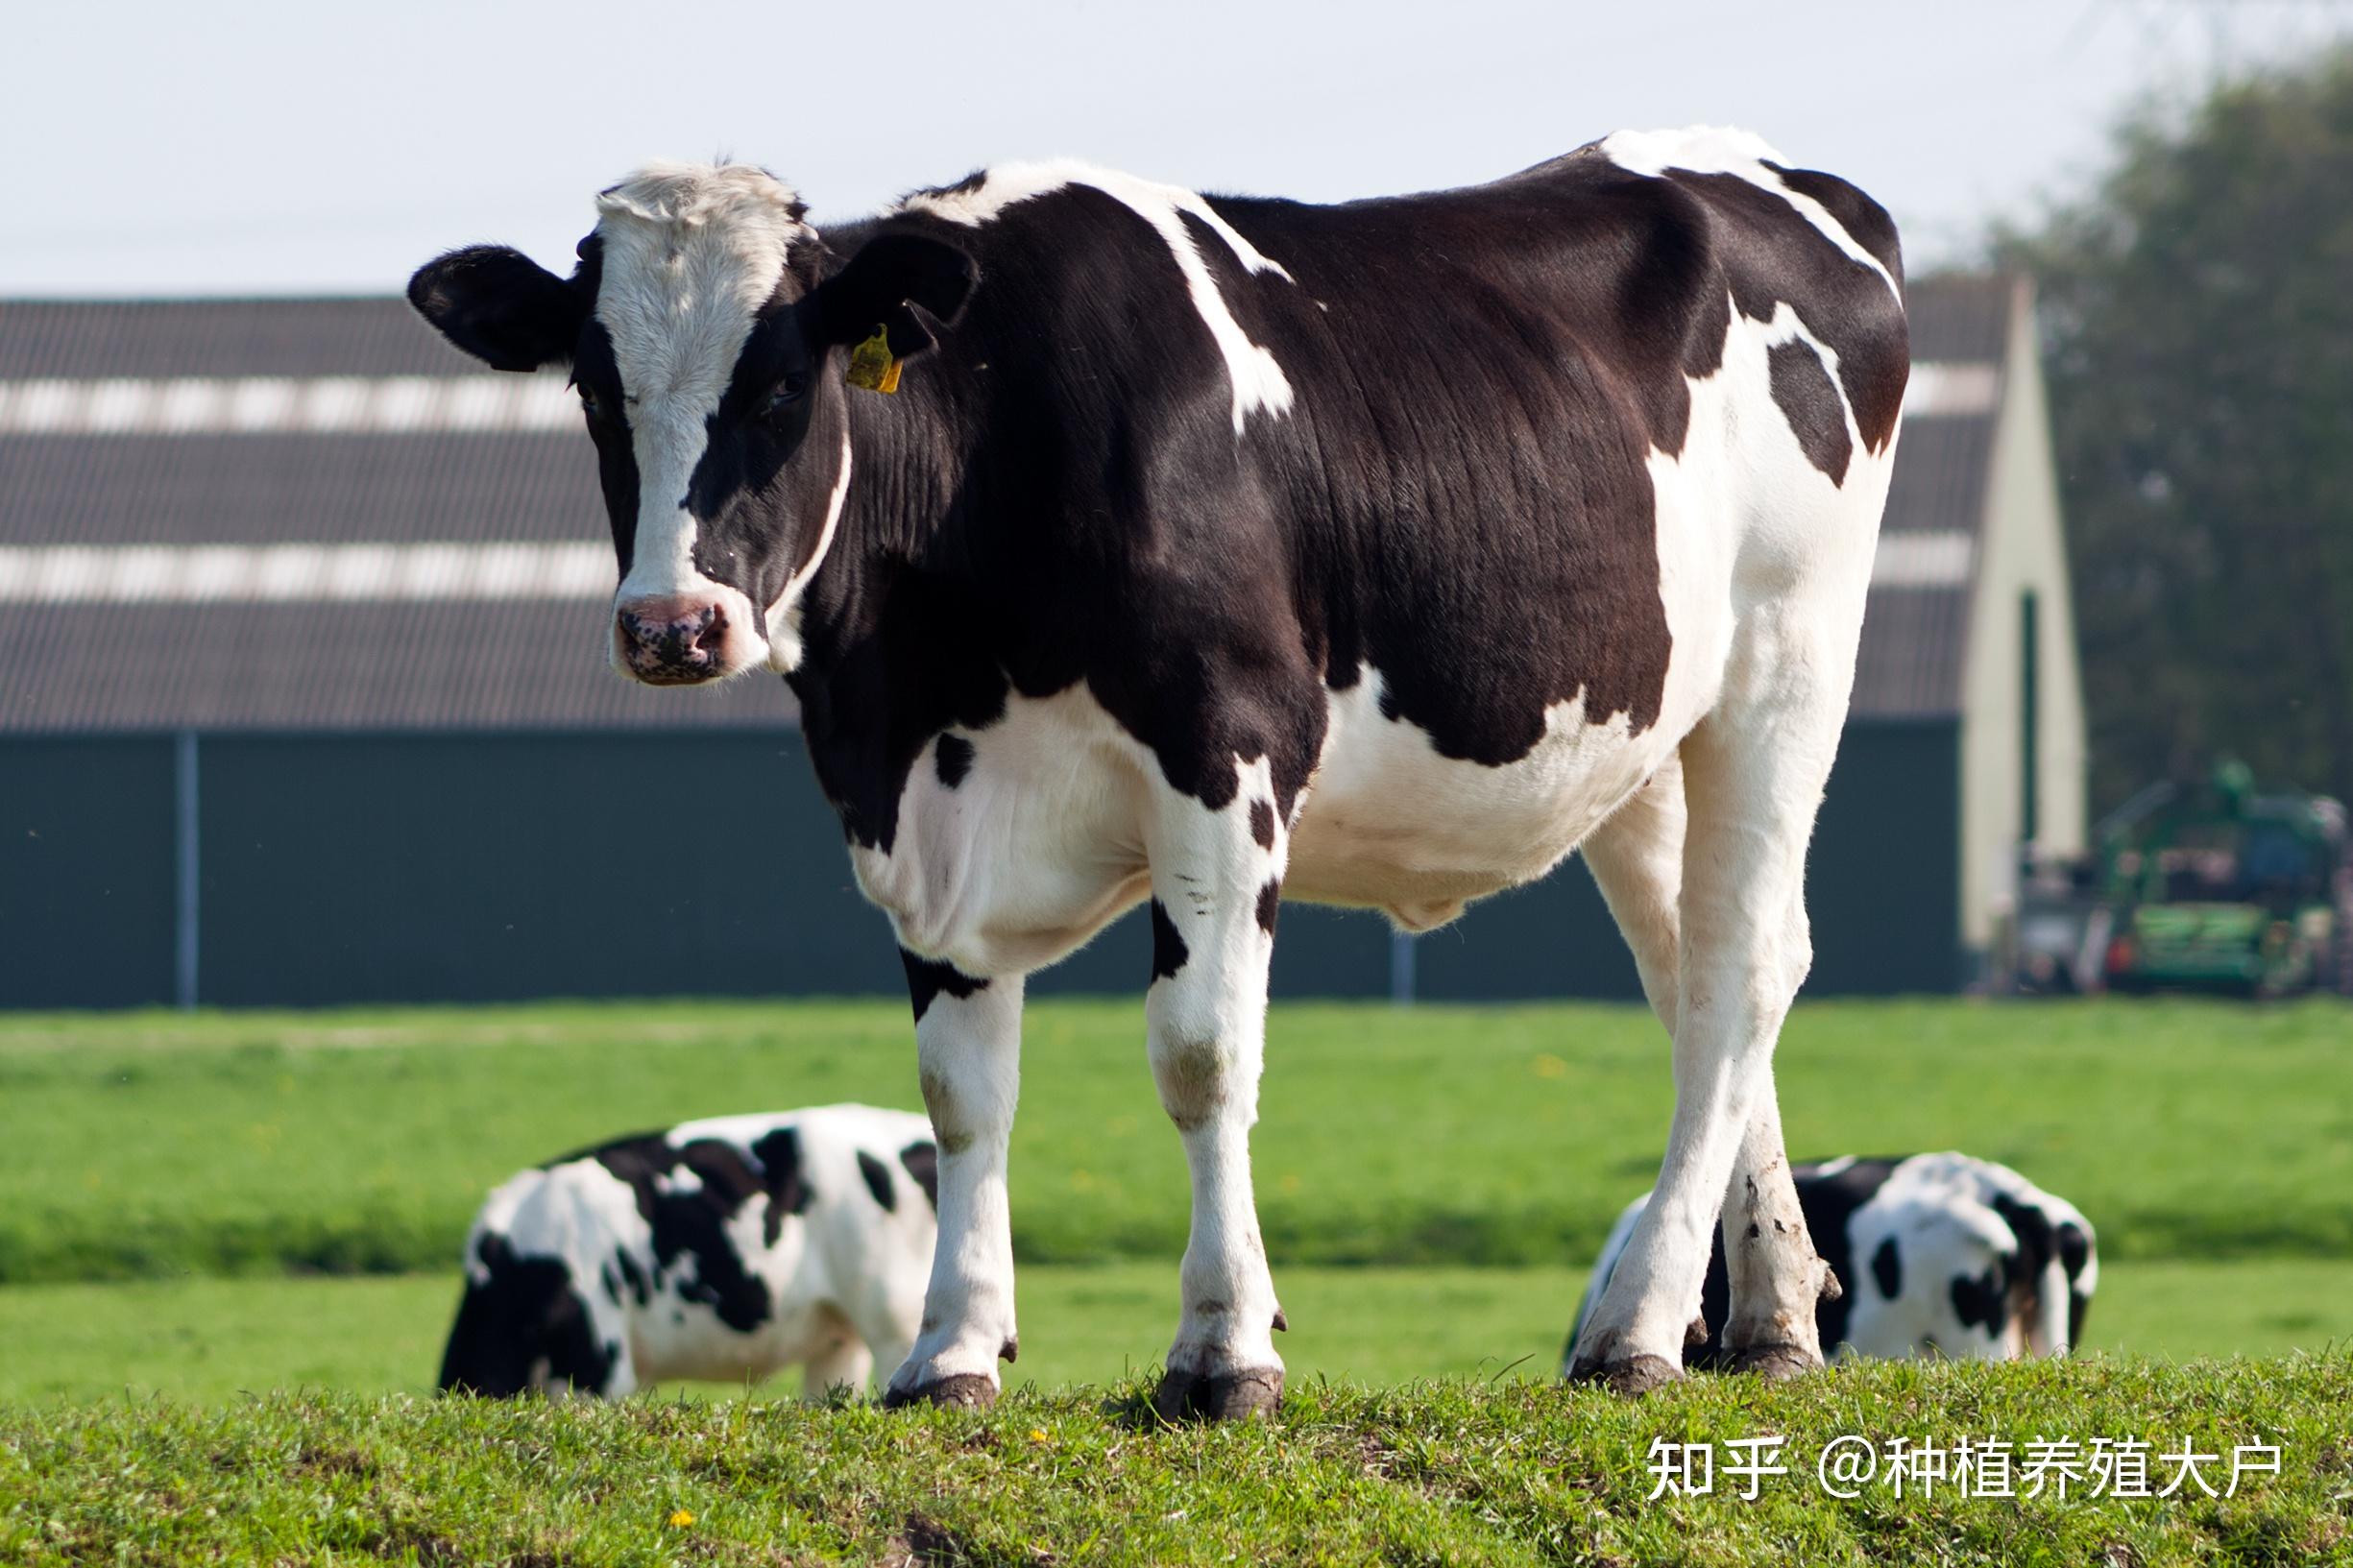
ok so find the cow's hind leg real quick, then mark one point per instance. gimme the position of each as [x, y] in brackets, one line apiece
[1637, 861]
[1215, 884]
[1776, 1275]
[968, 1047]
[1754, 773]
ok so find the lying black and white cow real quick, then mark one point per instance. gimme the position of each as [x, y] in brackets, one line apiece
[1221, 550]
[722, 1250]
[1935, 1255]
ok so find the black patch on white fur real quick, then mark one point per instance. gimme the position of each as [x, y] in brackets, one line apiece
[1802, 390]
[878, 1181]
[1886, 1268]
[927, 977]
[1168, 944]
[633, 1277]
[1262, 823]
[952, 760]
[779, 1154]
[921, 1159]
[1983, 1300]
[1270, 904]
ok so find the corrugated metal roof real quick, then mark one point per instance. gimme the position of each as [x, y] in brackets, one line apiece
[42, 338]
[1960, 317]
[225, 490]
[422, 664]
[418, 664]
[1916, 637]
[537, 664]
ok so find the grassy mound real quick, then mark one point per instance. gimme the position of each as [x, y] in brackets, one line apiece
[1516, 1472]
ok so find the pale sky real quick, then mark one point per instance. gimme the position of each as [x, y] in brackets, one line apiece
[319, 146]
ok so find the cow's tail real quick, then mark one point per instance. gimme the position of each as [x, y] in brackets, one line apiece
[1607, 1265]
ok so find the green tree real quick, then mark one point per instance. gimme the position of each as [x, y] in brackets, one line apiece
[2197, 317]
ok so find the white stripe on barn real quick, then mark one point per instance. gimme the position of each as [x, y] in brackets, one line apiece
[249, 406]
[489, 404]
[1923, 557]
[134, 574]
[1946, 387]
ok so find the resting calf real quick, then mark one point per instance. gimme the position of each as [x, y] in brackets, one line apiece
[1935, 1254]
[721, 1250]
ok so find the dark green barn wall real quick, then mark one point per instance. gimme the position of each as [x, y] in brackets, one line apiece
[464, 868]
[470, 868]
[86, 871]
[1883, 886]
[1883, 877]
[477, 868]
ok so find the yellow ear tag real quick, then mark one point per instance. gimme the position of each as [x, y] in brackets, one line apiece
[871, 366]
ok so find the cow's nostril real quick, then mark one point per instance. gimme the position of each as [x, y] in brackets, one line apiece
[686, 637]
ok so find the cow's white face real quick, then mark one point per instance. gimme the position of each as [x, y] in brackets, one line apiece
[700, 326]
[724, 456]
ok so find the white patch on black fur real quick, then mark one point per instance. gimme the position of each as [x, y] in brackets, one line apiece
[1258, 381]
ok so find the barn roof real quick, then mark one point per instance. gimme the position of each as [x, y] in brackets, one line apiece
[312, 515]
[1915, 631]
[300, 514]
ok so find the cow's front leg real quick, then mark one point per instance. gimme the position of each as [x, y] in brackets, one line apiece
[1217, 882]
[968, 1045]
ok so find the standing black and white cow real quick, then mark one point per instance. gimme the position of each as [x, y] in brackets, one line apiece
[721, 1250]
[1219, 550]
[1936, 1255]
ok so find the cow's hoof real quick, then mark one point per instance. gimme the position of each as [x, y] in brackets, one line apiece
[1218, 1396]
[1631, 1378]
[1774, 1364]
[963, 1391]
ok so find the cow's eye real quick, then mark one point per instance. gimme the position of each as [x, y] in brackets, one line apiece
[591, 405]
[787, 393]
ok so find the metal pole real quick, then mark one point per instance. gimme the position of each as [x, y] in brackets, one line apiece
[1401, 969]
[185, 878]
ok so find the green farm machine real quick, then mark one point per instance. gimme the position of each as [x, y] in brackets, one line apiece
[2209, 887]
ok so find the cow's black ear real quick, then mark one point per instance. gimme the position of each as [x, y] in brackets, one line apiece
[888, 274]
[501, 306]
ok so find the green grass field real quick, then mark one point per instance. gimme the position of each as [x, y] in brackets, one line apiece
[226, 1243]
[213, 1339]
[151, 1145]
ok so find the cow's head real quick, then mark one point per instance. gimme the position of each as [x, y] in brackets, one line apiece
[705, 326]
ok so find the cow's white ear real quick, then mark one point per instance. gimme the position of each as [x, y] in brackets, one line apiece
[500, 307]
[879, 287]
